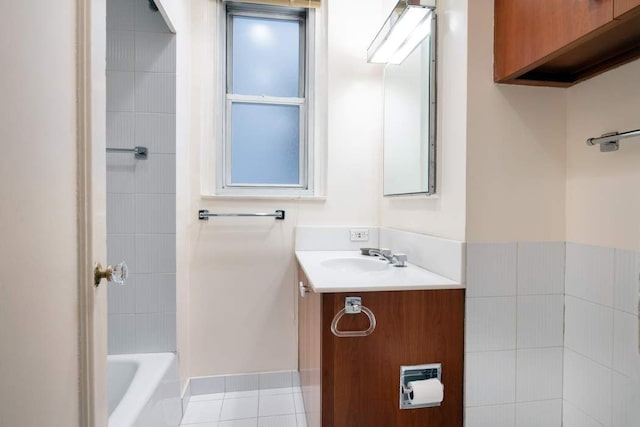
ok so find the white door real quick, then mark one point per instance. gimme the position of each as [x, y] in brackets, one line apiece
[52, 214]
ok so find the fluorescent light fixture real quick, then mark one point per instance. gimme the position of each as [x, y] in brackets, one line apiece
[408, 24]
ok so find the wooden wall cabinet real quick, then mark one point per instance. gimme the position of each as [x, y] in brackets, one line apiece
[354, 382]
[563, 42]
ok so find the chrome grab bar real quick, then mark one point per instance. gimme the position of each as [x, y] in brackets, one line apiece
[204, 214]
[353, 305]
[140, 153]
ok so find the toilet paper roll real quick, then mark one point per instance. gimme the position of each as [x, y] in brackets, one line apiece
[426, 391]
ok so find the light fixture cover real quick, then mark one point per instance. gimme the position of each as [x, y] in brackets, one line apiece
[407, 25]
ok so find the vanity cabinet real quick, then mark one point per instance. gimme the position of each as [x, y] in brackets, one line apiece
[560, 42]
[355, 382]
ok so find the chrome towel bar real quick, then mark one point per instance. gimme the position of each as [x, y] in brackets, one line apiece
[611, 141]
[204, 214]
[141, 153]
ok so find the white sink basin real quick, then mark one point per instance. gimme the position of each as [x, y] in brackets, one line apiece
[346, 271]
[356, 265]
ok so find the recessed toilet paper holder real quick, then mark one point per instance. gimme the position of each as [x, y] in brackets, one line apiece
[417, 373]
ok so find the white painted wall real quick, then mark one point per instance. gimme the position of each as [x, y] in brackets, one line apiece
[242, 271]
[38, 254]
[442, 215]
[515, 149]
[603, 201]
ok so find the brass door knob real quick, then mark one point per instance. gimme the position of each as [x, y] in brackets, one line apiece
[117, 274]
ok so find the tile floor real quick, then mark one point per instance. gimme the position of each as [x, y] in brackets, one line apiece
[276, 407]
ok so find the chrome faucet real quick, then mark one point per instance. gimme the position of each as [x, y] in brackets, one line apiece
[397, 260]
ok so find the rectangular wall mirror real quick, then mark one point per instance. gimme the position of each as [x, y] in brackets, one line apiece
[410, 122]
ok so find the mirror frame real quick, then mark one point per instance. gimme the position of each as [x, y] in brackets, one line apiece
[433, 117]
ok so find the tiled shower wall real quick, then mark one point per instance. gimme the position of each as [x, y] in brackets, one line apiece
[514, 334]
[141, 194]
[551, 336]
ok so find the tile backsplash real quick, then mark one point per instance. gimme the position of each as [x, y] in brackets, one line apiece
[141, 194]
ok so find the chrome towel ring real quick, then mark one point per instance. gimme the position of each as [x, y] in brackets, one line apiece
[353, 305]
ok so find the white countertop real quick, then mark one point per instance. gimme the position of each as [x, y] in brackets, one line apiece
[325, 279]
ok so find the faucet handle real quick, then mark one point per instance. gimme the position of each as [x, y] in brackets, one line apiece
[386, 252]
[400, 260]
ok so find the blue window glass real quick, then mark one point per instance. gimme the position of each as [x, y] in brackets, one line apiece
[265, 146]
[266, 57]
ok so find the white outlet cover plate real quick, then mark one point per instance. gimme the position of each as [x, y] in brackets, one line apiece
[359, 234]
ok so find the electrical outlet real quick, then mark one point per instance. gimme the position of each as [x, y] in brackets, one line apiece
[359, 234]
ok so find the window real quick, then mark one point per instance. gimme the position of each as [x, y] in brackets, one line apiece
[266, 149]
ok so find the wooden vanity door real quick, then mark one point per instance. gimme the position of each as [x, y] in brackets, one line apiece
[309, 352]
[361, 376]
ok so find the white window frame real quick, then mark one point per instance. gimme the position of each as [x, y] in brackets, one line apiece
[305, 185]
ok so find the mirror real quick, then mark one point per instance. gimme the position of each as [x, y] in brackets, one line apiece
[409, 123]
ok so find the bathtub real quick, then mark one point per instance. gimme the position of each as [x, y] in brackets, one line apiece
[144, 390]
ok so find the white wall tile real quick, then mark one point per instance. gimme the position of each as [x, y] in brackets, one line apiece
[590, 273]
[490, 378]
[626, 401]
[121, 248]
[120, 50]
[626, 350]
[490, 324]
[147, 19]
[127, 50]
[121, 298]
[490, 416]
[121, 173]
[539, 374]
[275, 380]
[541, 268]
[491, 269]
[587, 385]
[121, 334]
[120, 129]
[540, 321]
[627, 283]
[588, 329]
[241, 382]
[155, 332]
[574, 417]
[206, 385]
[120, 91]
[120, 15]
[156, 131]
[155, 213]
[155, 52]
[155, 93]
[547, 413]
[120, 213]
[157, 174]
[155, 293]
[155, 253]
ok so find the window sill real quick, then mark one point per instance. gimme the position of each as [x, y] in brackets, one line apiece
[263, 197]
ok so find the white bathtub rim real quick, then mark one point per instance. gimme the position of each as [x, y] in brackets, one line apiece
[152, 368]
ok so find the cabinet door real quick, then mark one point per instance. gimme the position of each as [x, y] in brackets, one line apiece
[309, 348]
[620, 7]
[361, 375]
[527, 31]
